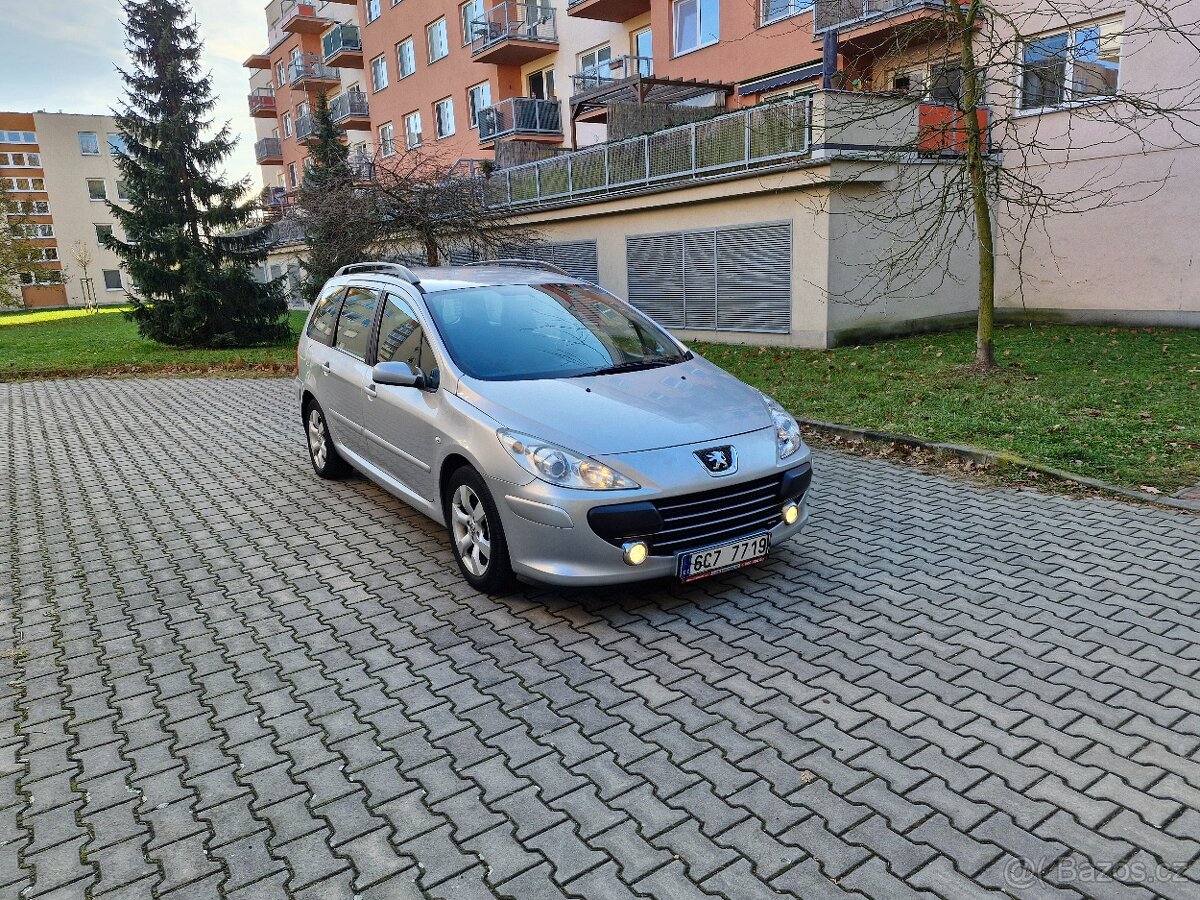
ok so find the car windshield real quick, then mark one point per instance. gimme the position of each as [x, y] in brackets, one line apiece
[516, 332]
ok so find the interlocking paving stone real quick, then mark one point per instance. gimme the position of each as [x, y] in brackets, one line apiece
[222, 677]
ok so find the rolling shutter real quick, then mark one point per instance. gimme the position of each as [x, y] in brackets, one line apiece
[579, 259]
[723, 279]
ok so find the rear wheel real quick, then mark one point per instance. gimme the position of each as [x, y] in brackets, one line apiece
[476, 533]
[326, 461]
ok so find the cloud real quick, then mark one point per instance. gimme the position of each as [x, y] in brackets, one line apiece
[85, 41]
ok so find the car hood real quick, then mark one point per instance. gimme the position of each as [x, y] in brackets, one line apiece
[685, 403]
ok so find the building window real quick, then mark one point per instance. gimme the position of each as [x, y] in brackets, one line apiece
[112, 280]
[443, 117]
[102, 232]
[642, 45]
[116, 144]
[479, 98]
[541, 84]
[122, 191]
[28, 185]
[777, 10]
[280, 76]
[291, 174]
[406, 58]
[379, 73]
[287, 124]
[302, 111]
[37, 232]
[387, 139]
[471, 11]
[412, 130]
[435, 34]
[97, 189]
[372, 10]
[50, 254]
[697, 24]
[89, 143]
[595, 63]
[18, 137]
[20, 160]
[1071, 66]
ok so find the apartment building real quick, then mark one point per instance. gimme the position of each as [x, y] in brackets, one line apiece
[710, 159]
[60, 169]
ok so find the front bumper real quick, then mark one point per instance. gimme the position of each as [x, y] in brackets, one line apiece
[550, 540]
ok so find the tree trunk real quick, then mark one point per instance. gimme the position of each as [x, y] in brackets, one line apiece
[431, 252]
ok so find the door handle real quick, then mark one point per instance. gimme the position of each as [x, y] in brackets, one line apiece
[372, 391]
[325, 367]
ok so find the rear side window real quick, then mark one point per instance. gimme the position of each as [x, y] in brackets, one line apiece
[323, 321]
[354, 324]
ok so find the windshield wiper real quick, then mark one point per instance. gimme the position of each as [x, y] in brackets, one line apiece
[632, 366]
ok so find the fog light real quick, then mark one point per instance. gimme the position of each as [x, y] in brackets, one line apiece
[791, 512]
[635, 553]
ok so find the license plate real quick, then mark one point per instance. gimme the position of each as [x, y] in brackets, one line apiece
[723, 557]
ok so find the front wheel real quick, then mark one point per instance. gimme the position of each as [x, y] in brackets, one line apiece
[476, 533]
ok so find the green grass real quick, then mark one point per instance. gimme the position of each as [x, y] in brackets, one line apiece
[77, 342]
[1117, 404]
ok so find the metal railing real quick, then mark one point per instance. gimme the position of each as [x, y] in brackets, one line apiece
[341, 38]
[262, 100]
[311, 66]
[520, 115]
[617, 69]
[362, 164]
[834, 13]
[513, 21]
[349, 105]
[305, 128]
[268, 148]
[743, 140]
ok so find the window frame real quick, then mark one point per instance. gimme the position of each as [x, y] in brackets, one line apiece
[445, 39]
[701, 43]
[370, 326]
[387, 146]
[335, 296]
[415, 114]
[103, 182]
[103, 225]
[412, 55]
[430, 382]
[373, 10]
[480, 8]
[95, 136]
[438, 106]
[1068, 101]
[795, 8]
[104, 273]
[379, 73]
[473, 110]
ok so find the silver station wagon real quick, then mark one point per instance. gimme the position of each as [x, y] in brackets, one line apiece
[559, 434]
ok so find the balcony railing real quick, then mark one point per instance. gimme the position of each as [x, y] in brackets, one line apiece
[311, 67]
[513, 21]
[341, 39]
[839, 13]
[349, 105]
[744, 140]
[301, 17]
[262, 103]
[520, 115]
[268, 150]
[305, 128]
[620, 68]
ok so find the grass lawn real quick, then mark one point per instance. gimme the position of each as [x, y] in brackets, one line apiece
[1122, 405]
[78, 342]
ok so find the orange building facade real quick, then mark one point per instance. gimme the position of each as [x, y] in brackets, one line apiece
[24, 179]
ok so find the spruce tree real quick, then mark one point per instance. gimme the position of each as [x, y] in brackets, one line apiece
[187, 247]
[328, 183]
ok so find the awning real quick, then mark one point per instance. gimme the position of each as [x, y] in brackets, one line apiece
[780, 79]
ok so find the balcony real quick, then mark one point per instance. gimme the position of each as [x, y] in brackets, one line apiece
[525, 117]
[342, 46]
[311, 73]
[262, 103]
[257, 61]
[513, 34]
[351, 111]
[744, 141]
[269, 152]
[305, 128]
[301, 18]
[631, 79]
[876, 21]
[607, 10]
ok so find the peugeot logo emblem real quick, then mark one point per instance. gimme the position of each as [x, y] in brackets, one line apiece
[718, 460]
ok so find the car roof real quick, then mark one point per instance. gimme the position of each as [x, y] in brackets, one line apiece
[450, 278]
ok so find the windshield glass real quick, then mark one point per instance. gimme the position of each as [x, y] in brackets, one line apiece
[521, 331]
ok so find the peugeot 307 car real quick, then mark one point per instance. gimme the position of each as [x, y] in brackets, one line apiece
[557, 432]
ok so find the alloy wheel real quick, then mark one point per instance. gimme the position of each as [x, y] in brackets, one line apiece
[316, 438]
[472, 533]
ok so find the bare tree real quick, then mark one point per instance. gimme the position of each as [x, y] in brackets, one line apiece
[21, 261]
[961, 95]
[81, 253]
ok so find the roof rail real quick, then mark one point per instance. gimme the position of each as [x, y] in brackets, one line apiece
[404, 272]
[522, 264]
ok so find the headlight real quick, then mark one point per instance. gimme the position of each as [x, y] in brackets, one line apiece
[561, 466]
[787, 432]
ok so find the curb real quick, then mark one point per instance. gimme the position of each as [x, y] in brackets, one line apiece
[989, 459]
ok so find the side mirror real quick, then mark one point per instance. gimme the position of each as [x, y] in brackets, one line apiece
[400, 374]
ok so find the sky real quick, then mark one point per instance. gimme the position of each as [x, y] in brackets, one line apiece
[62, 55]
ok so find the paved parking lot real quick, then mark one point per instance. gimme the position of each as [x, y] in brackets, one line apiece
[222, 677]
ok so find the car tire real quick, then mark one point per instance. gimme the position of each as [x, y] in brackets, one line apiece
[325, 459]
[476, 533]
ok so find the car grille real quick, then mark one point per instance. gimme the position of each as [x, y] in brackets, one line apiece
[722, 514]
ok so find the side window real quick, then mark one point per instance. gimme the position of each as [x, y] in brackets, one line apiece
[402, 339]
[354, 324]
[324, 317]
